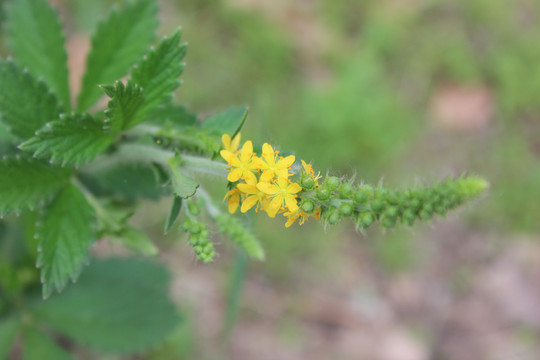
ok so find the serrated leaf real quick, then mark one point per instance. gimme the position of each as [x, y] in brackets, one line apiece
[65, 230]
[183, 186]
[36, 38]
[27, 183]
[73, 140]
[135, 240]
[119, 306]
[173, 213]
[38, 346]
[229, 121]
[26, 104]
[9, 327]
[117, 44]
[158, 73]
[125, 105]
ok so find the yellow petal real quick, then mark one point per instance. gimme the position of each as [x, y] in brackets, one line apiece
[248, 203]
[247, 151]
[293, 188]
[235, 142]
[226, 140]
[234, 201]
[248, 189]
[267, 176]
[286, 162]
[274, 206]
[283, 173]
[249, 177]
[268, 188]
[227, 155]
[234, 175]
[258, 163]
[291, 203]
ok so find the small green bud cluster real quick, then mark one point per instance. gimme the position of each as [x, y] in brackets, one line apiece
[238, 233]
[199, 236]
[339, 199]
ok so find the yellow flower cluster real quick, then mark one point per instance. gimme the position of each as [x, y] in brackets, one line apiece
[261, 182]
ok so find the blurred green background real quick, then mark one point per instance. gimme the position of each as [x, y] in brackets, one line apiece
[402, 92]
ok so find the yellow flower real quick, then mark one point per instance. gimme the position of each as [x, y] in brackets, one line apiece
[229, 145]
[242, 166]
[234, 200]
[308, 170]
[299, 214]
[272, 167]
[282, 193]
[254, 195]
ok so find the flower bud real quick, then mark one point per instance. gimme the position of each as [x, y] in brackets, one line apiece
[346, 208]
[322, 194]
[345, 191]
[332, 182]
[307, 182]
[365, 220]
[307, 206]
[377, 205]
[333, 217]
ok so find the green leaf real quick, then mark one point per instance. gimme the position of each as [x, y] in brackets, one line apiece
[173, 213]
[118, 305]
[229, 121]
[135, 240]
[9, 327]
[36, 38]
[27, 183]
[158, 73]
[172, 116]
[129, 180]
[38, 346]
[25, 103]
[73, 140]
[117, 44]
[125, 106]
[183, 185]
[64, 230]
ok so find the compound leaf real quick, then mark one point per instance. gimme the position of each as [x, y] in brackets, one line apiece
[117, 44]
[118, 306]
[27, 183]
[125, 106]
[38, 346]
[72, 140]
[26, 104]
[158, 73]
[229, 121]
[36, 38]
[9, 327]
[64, 230]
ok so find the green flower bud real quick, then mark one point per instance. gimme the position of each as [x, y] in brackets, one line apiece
[346, 208]
[332, 182]
[391, 212]
[345, 191]
[388, 222]
[307, 183]
[322, 194]
[377, 205]
[409, 217]
[333, 218]
[365, 220]
[307, 206]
